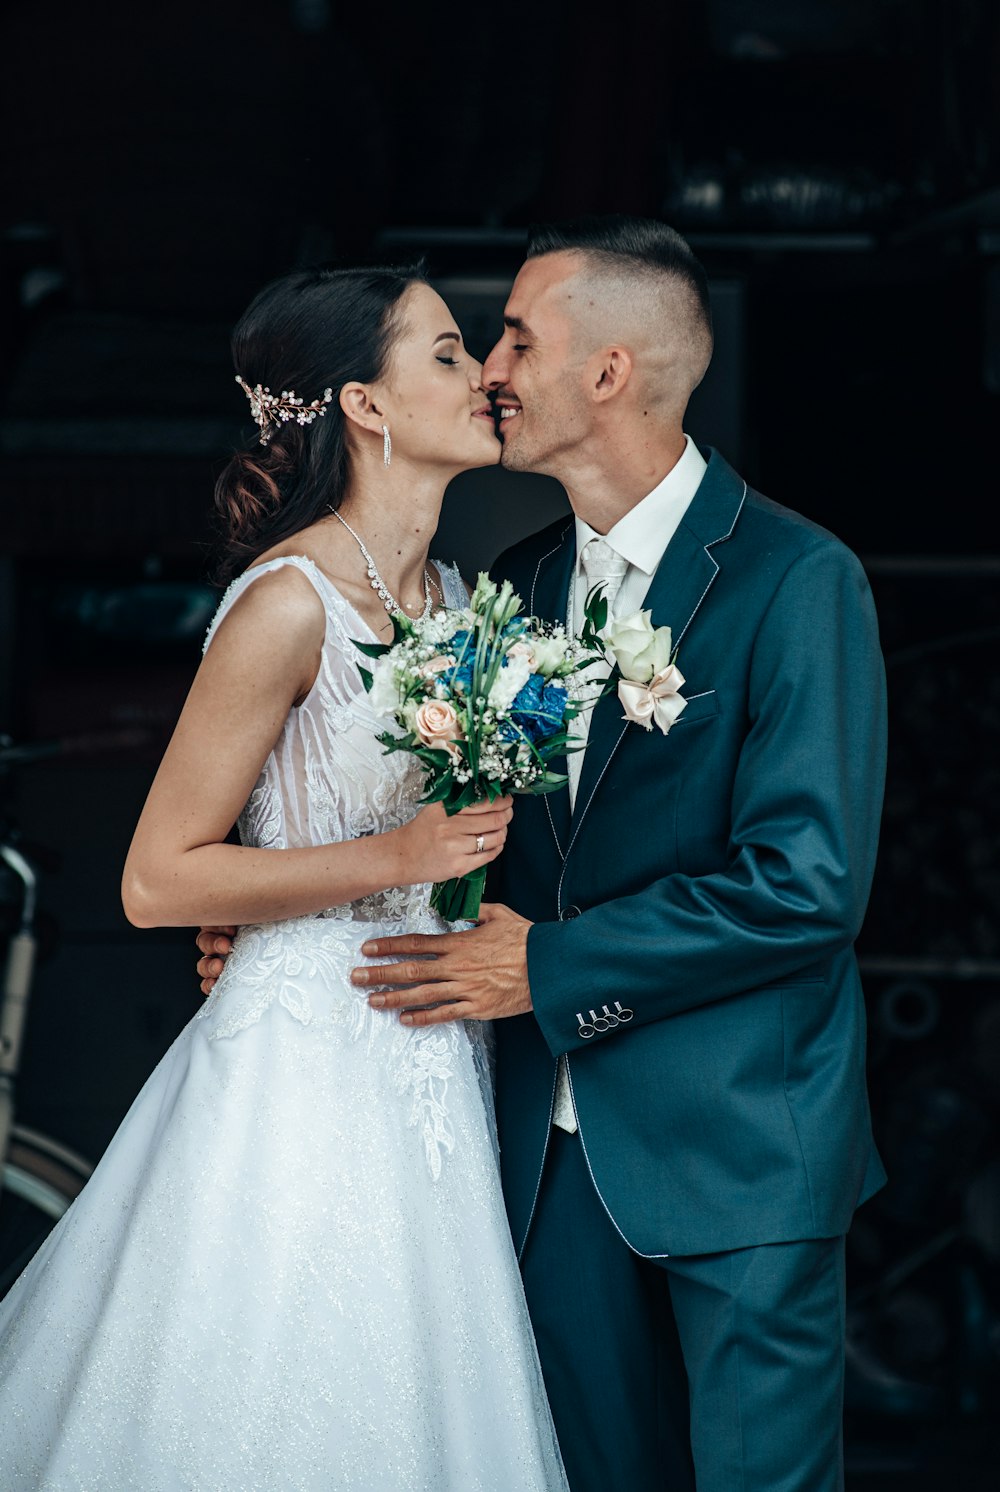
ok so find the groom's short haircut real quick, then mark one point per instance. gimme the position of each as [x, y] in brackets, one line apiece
[641, 259]
[616, 241]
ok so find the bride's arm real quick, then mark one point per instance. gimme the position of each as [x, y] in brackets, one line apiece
[180, 872]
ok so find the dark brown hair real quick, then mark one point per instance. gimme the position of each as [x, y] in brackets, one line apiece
[311, 330]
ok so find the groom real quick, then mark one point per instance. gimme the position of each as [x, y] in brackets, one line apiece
[681, 1098]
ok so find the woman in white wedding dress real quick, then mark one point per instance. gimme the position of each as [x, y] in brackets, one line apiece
[292, 1269]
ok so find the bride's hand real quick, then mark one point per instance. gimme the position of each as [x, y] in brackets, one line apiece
[436, 847]
[431, 847]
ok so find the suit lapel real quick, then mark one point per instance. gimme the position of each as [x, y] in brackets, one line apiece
[547, 599]
[682, 581]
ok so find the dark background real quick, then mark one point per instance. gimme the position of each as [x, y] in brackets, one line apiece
[837, 166]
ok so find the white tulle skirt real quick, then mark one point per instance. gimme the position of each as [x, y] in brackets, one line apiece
[292, 1267]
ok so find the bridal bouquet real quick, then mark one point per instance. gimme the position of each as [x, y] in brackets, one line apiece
[484, 698]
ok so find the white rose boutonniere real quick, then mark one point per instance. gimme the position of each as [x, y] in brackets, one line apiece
[650, 683]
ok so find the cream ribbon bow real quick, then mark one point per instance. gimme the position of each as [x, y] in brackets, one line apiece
[659, 701]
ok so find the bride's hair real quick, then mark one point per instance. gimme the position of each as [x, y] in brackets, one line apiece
[312, 330]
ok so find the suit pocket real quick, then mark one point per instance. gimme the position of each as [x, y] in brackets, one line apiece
[699, 707]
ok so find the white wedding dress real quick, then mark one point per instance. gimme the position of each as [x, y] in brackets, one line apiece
[292, 1268]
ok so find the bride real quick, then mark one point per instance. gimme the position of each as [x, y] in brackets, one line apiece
[292, 1268]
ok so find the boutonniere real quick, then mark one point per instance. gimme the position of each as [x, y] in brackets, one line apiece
[650, 683]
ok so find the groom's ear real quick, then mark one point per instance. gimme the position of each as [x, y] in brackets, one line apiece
[608, 372]
[360, 406]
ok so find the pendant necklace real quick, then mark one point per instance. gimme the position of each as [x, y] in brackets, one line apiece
[378, 584]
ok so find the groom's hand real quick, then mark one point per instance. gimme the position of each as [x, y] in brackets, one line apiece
[480, 974]
[215, 945]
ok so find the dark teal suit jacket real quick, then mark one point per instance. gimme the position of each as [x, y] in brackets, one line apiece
[713, 881]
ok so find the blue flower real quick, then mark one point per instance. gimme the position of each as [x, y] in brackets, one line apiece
[538, 709]
[458, 678]
[554, 698]
[529, 697]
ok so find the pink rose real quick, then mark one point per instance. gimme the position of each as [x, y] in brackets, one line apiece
[522, 650]
[436, 665]
[436, 723]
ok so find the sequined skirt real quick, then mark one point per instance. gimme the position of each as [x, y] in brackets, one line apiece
[292, 1267]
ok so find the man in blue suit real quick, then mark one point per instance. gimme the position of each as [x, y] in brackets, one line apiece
[680, 1028]
[683, 1118]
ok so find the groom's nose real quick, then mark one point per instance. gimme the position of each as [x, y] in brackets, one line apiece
[495, 370]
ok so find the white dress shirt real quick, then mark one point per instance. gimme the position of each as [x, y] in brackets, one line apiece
[641, 537]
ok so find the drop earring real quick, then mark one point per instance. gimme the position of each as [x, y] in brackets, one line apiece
[386, 446]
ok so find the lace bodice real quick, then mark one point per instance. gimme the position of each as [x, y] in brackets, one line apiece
[292, 1269]
[327, 778]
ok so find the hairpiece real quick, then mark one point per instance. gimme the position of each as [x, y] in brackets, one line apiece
[270, 410]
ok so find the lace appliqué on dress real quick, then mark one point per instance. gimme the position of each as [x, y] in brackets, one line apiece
[260, 822]
[304, 966]
[423, 1069]
[272, 963]
[329, 780]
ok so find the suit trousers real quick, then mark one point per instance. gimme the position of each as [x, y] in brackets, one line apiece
[736, 1357]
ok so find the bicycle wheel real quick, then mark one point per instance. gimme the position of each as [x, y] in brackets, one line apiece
[40, 1180]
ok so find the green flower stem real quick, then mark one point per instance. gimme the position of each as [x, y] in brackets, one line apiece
[459, 899]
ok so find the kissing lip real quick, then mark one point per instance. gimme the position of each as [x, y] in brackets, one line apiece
[505, 410]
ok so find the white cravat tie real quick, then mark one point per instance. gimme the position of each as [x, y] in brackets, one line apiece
[602, 565]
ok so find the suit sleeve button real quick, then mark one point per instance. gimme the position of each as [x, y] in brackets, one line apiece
[568, 913]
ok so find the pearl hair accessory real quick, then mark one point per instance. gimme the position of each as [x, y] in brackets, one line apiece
[271, 410]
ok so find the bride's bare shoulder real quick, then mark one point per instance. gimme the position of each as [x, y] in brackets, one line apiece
[283, 597]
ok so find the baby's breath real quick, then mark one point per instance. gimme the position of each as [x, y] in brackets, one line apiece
[513, 684]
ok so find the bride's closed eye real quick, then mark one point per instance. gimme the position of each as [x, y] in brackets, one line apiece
[449, 362]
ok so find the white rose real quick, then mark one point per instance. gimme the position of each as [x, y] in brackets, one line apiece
[640, 649]
[436, 723]
[522, 649]
[549, 653]
[384, 693]
[510, 680]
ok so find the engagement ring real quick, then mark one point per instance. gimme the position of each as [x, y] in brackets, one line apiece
[480, 843]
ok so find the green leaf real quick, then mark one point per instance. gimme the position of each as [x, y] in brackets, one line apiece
[595, 611]
[439, 790]
[459, 900]
[438, 761]
[366, 677]
[550, 783]
[373, 649]
[465, 799]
